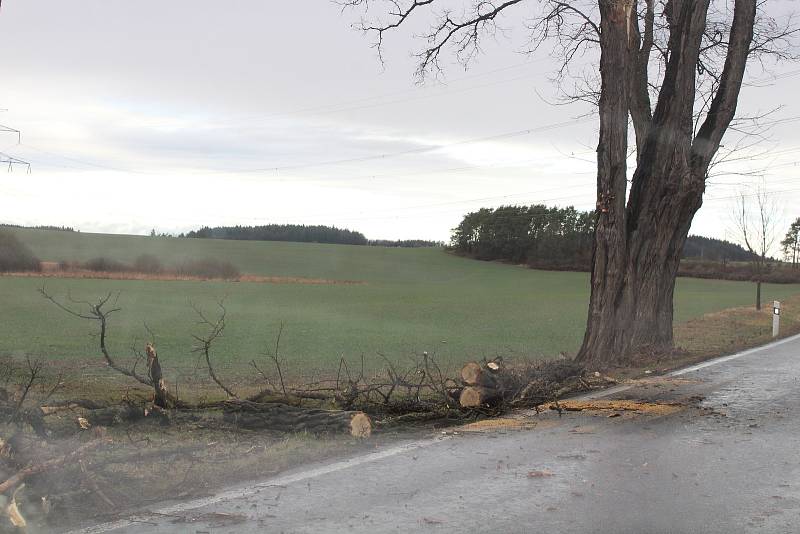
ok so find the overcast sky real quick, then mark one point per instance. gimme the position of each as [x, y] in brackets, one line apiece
[172, 115]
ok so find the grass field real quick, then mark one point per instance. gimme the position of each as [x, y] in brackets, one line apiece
[413, 300]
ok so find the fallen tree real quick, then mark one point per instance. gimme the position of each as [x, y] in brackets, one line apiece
[286, 418]
[353, 402]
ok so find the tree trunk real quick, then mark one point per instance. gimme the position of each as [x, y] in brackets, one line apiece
[160, 392]
[758, 295]
[638, 244]
[284, 418]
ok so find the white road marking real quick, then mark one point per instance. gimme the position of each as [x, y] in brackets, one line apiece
[252, 489]
[730, 357]
[716, 361]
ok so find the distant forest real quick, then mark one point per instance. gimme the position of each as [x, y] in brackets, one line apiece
[282, 232]
[554, 238]
[45, 227]
[303, 234]
[710, 249]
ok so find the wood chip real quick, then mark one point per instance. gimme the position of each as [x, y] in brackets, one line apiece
[540, 474]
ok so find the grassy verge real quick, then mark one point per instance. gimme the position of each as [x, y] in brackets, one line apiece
[408, 301]
[736, 329]
[720, 333]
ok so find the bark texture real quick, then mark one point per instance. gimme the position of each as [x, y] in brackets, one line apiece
[638, 243]
[284, 418]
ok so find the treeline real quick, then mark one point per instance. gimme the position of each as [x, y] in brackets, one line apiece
[282, 232]
[405, 243]
[538, 235]
[301, 234]
[556, 238]
[42, 227]
[710, 249]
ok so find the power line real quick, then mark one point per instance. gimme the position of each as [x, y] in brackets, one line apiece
[12, 130]
[350, 105]
[11, 161]
[85, 162]
[421, 150]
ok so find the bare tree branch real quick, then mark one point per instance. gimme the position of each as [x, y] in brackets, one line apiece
[97, 312]
[215, 329]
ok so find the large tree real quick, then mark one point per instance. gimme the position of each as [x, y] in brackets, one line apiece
[673, 69]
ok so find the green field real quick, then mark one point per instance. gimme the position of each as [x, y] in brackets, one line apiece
[412, 300]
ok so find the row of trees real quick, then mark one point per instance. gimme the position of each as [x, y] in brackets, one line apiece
[716, 250]
[538, 235]
[40, 227]
[301, 234]
[552, 237]
[282, 232]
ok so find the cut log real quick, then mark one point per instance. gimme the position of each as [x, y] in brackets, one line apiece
[470, 373]
[474, 374]
[285, 418]
[360, 425]
[476, 396]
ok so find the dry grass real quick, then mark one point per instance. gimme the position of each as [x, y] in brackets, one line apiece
[52, 270]
[735, 329]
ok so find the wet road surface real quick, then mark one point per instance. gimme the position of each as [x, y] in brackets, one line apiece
[715, 449]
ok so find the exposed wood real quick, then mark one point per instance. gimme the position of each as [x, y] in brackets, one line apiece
[160, 392]
[470, 373]
[476, 396]
[475, 374]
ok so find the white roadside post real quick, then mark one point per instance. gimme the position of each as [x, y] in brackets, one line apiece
[776, 318]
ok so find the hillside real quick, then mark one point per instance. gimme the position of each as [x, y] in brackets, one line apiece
[413, 300]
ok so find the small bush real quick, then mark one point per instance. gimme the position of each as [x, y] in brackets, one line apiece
[148, 263]
[15, 256]
[106, 265]
[209, 268]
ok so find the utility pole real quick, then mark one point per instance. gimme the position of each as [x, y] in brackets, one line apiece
[8, 159]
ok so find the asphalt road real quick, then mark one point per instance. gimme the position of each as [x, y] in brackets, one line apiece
[726, 458]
